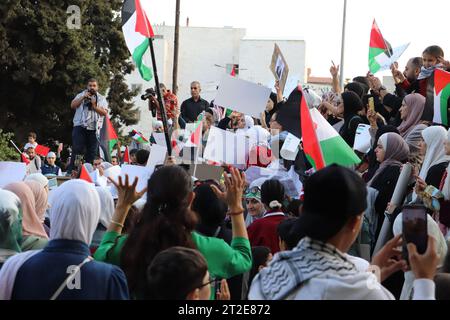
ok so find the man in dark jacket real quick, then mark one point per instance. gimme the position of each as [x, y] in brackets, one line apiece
[192, 107]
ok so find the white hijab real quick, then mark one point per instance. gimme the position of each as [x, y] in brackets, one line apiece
[441, 245]
[39, 177]
[434, 138]
[75, 211]
[74, 215]
[106, 205]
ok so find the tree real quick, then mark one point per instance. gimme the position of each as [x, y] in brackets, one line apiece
[7, 152]
[44, 64]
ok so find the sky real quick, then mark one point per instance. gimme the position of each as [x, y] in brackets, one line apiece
[319, 23]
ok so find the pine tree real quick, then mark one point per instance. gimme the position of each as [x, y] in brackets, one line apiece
[44, 64]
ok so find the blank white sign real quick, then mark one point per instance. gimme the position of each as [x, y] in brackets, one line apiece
[242, 96]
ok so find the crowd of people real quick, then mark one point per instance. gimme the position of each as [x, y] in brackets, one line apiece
[181, 238]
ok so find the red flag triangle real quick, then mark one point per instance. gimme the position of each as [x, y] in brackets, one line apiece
[143, 25]
[84, 175]
[441, 80]
[376, 38]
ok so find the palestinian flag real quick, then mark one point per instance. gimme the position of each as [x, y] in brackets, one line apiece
[196, 136]
[378, 48]
[138, 137]
[322, 145]
[137, 31]
[108, 139]
[438, 96]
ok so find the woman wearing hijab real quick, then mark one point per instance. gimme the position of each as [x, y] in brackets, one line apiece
[441, 246]
[106, 213]
[352, 105]
[41, 201]
[436, 160]
[319, 268]
[34, 235]
[391, 152]
[410, 113]
[437, 175]
[38, 177]
[74, 214]
[372, 157]
[10, 225]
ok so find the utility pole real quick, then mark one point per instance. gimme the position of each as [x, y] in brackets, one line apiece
[175, 48]
[341, 80]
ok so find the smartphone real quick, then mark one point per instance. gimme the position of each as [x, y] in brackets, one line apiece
[371, 104]
[414, 222]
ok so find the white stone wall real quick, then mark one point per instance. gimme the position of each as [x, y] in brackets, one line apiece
[203, 48]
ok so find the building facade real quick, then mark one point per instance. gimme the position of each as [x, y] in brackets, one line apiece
[205, 54]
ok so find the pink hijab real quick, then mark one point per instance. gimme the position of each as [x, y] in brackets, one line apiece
[40, 198]
[31, 221]
[416, 105]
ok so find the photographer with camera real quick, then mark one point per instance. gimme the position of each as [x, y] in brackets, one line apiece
[170, 104]
[90, 108]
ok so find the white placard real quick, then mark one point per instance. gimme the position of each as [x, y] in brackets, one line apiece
[160, 138]
[242, 96]
[143, 174]
[157, 155]
[113, 172]
[226, 147]
[291, 146]
[11, 172]
[362, 138]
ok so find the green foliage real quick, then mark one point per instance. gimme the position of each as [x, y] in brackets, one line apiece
[7, 151]
[44, 64]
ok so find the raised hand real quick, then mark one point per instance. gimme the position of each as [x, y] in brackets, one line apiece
[224, 293]
[388, 259]
[234, 189]
[127, 193]
[334, 70]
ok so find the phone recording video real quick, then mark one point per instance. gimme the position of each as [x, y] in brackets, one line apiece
[414, 222]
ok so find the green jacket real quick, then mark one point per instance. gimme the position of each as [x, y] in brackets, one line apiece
[223, 261]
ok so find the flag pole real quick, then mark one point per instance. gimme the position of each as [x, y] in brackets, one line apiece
[343, 44]
[18, 150]
[162, 109]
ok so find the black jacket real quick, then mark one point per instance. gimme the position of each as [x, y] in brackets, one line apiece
[385, 183]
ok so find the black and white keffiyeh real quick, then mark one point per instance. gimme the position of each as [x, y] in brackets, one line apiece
[291, 269]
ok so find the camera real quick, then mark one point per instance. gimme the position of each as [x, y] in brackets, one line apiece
[149, 92]
[87, 101]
